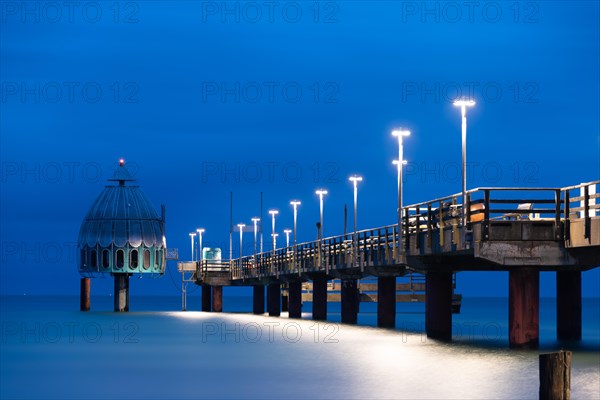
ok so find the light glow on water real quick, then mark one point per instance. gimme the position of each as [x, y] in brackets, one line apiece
[193, 354]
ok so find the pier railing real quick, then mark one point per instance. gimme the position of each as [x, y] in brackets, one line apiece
[436, 225]
[580, 208]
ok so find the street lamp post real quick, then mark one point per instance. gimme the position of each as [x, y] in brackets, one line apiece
[273, 214]
[183, 284]
[241, 226]
[400, 133]
[355, 179]
[192, 236]
[295, 204]
[321, 193]
[463, 104]
[274, 237]
[255, 221]
[200, 232]
[287, 237]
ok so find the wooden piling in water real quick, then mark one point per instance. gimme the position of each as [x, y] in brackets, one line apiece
[438, 305]
[121, 296]
[568, 305]
[206, 298]
[555, 376]
[523, 307]
[258, 299]
[274, 299]
[217, 298]
[350, 301]
[319, 299]
[84, 300]
[295, 299]
[386, 301]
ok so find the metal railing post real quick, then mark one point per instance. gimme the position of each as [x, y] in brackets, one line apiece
[567, 225]
[467, 211]
[586, 213]
[406, 236]
[429, 228]
[418, 228]
[486, 214]
[557, 230]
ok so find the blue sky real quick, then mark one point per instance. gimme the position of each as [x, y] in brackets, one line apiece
[203, 98]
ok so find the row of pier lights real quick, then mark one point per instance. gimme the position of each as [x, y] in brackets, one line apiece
[398, 133]
[523, 299]
[212, 296]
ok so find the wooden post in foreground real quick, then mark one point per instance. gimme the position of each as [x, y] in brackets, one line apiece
[555, 376]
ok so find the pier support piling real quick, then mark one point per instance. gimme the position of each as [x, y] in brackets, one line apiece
[274, 299]
[555, 376]
[523, 307]
[319, 298]
[206, 298]
[438, 305]
[84, 296]
[121, 296]
[258, 299]
[568, 305]
[350, 301]
[386, 301]
[295, 299]
[217, 298]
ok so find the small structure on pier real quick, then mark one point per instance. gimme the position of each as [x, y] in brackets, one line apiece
[121, 235]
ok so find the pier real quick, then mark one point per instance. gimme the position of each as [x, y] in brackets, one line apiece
[520, 230]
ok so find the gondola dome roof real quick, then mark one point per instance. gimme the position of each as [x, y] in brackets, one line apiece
[122, 215]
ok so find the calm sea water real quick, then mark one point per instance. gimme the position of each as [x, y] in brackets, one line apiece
[51, 350]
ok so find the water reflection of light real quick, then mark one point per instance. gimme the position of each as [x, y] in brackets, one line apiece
[191, 315]
[345, 361]
[183, 355]
[392, 364]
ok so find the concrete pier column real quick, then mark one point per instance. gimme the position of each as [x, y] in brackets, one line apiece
[438, 305]
[386, 301]
[217, 298]
[121, 296]
[295, 299]
[568, 305]
[258, 299]
[84, 294]
[350, 301]
[523, 307]
[319, 298]
[274, 299]
[206, 298]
